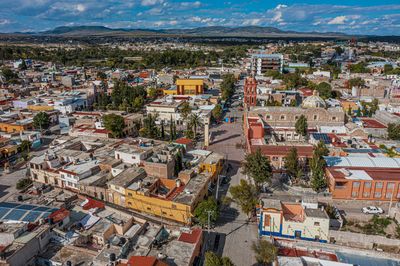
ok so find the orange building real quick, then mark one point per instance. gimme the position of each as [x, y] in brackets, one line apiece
[364, 178]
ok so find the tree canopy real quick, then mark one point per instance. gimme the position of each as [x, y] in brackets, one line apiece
[114, 123]
[317, 165]
[41, 121]
[228, 86]
[292, 164]
[217, 112]
[245, 195]
[201, 211]
[212, 259]
[393, 131]
[258, 167]
[301, 126]
[265, 252]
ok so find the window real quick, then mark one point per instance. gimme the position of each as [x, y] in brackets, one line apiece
[356, 184]
[283, 117]
[354, 194]
[268, 117]
[366, 194]
[274, 158]
[316, 223]
[296, 117]
[267, 220]
[315, 117]
[333, 118]
[130, 194]
[148, 208]
[129, 203]
[367, 184]
[390, 185]
[164, 213]
[173, 206]
[388, 195]
[378, 185]
[378, 195]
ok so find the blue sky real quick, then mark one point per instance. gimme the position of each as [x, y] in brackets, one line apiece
[351, 16]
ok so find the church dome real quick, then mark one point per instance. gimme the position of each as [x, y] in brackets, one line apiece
[314, 101]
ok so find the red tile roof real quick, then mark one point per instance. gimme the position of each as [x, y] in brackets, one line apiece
[273, 150]
[372, 123]
[183, 141]
[192, 238]
[59, 215]
[145, 261]
[93, 204]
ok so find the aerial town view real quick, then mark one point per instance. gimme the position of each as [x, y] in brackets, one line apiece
[179, 133]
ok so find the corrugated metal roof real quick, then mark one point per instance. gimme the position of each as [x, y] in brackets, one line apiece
[363, 161]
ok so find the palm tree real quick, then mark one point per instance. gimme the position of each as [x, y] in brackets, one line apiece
[265, 252]
[194, 122]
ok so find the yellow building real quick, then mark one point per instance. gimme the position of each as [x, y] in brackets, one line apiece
[186, 87]
[40, 108]
[174, 199]
[17, 126]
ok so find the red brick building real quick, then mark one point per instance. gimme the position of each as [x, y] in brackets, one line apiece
[250, 91]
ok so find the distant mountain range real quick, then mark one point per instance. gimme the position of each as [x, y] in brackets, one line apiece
[214, 31]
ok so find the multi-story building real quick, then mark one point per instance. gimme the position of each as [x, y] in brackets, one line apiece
[250, 92]
[260, 63]
[293, 220]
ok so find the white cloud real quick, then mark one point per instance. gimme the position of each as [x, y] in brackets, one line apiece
[80, 8]
[251, 22]
[4, 22]
[151, 2]
[337, 20]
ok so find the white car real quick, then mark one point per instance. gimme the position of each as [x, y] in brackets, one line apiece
[372, 210]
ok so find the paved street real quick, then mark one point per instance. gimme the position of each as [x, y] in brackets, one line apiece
[9, 181]
[236, 232]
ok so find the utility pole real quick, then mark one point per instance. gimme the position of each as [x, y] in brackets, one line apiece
[216, 194]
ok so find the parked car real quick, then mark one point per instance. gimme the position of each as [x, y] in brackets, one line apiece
[372, 210]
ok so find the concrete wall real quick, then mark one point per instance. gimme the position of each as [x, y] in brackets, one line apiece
[362, 240]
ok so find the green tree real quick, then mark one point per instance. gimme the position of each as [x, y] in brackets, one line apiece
[114, 123]
[265, 252]
[23, 183]
[393, 131]
[150, 129]
[387, 68]
[101, 75]
[217, 112]
[227, 86]
[138, 103]
[194, 123]
[374, 106]
[24, 148]
[41, 121]
[325, 90]
[301, 126]
[212, 259]
[23, 65]
[258, 167]
[153, 93]
[8, 74]
[185, 110]
[244, 195]
[350, 111]
[317, 166]
[292, 164]
[355, 82]
[202, 209]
